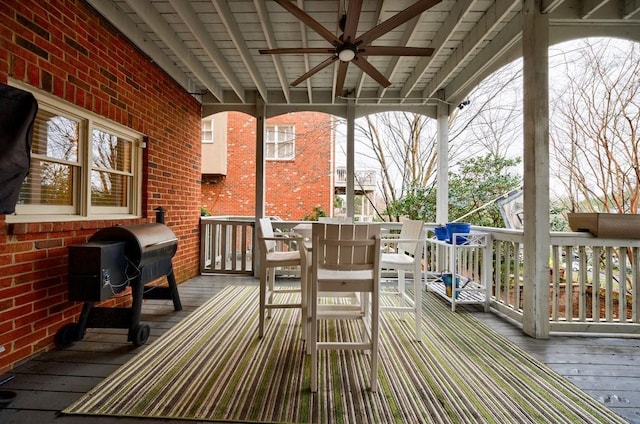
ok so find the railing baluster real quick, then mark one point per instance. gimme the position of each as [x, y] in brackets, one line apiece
[233, 234]
[516, 273]
[582, 285]
[622, 284]
[501, 272]
[595, 286]
[568, 287]
[609, 284]
[243, 237]
[555, 309]
[635, 289]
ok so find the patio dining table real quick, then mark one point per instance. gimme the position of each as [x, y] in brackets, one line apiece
[305, 230]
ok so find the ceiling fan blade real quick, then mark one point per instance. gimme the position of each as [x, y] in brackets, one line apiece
[342, 74]
[369, 69]
[293, 50]
[314, 70]
[394, 51]
[353, 16]
[410, 12]
[309, 21]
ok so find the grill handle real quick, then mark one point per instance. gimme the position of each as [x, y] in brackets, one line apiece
[160, 243]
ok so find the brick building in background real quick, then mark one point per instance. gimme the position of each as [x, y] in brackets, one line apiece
[299, 164]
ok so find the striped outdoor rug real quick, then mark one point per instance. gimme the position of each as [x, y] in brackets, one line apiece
[212, 367]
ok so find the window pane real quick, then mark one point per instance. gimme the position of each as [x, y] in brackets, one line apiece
[110, 151]
[280, 142]
[271, 134]
[207, 130]
[55, 136]
[270, 151]
[47, 184]
[285, 150]
[108, 189]
[286, 133]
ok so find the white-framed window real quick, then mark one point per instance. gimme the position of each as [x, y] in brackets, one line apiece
[280, 142]
[83, 166]
[207, 130]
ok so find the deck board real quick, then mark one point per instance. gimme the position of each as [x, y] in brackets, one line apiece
[606, 368]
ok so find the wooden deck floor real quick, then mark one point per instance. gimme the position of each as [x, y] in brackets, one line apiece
[606, 368]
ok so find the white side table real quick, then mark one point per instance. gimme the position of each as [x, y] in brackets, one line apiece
[469, 264]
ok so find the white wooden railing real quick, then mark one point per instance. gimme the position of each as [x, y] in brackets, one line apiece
[593, 282]
[365, 179]
[603, 274]
[226, 245]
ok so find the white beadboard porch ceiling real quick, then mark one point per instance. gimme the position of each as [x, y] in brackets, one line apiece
[211, 47]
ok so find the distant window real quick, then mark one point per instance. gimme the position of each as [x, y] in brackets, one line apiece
[280, 142]
[81, 165]
[207, 130]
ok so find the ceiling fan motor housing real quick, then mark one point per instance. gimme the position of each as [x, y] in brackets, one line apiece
[346, 52]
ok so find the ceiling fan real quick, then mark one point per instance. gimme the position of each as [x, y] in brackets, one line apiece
[351, 49]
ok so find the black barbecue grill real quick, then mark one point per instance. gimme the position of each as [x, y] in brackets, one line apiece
[114, 259]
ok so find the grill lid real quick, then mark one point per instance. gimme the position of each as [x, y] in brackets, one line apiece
[145, 243]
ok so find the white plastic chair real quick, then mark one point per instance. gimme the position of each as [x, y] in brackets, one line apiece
[406, 256]
[272, 258]
[345, 262]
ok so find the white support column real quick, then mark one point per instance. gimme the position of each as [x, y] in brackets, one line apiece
[332, 186]
[535, 47]
[261, 113]
[442, 200]
[351, 149]
[442, 182]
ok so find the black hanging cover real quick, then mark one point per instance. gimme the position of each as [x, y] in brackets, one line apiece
[18, 110]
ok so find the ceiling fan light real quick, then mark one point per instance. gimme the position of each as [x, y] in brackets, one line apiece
[346, 55]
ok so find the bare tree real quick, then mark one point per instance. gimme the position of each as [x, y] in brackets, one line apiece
[494, 122]
[595, 115]
[594, 127]
[403, 146]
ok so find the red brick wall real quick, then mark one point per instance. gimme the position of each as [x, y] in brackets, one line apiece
[293, 188]
[63, 47]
